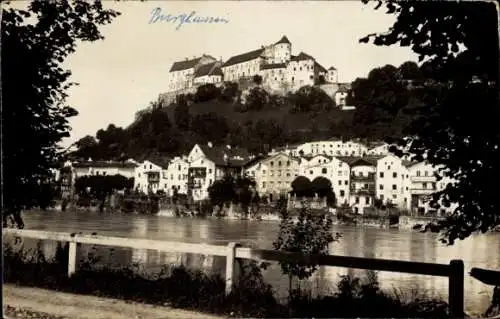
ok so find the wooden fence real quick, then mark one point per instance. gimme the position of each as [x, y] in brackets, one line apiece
[233, 252]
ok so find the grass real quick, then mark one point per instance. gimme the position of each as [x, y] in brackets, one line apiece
[180, 287]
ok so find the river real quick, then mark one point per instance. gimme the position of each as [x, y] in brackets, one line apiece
[478, 251]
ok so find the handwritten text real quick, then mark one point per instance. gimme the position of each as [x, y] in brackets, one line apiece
[183, 18]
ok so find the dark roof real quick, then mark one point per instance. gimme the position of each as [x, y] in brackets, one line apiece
[188, 64]
[184, 65]
[360, 161]
[273, 66]
[310, 157]
[208, 69]
[320, 67]
[302, 56]
[332, 68]
[160, 161]
[252, 55]
[216, 155]
[284, 39]
[104, 164]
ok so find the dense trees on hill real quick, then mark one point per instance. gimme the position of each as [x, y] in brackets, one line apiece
[264, 121]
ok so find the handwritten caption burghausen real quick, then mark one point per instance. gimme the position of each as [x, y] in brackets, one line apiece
[180, 19]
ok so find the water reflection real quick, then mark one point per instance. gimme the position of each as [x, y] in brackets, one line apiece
[478, 251]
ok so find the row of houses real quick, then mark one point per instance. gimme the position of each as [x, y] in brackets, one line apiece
[359, 175]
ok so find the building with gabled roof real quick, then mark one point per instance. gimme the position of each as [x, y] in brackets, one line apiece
[208, 73]
[181, 74]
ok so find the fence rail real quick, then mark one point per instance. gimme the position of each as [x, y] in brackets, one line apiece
[454, 271]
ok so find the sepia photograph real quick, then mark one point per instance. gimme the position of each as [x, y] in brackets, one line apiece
[250, 159]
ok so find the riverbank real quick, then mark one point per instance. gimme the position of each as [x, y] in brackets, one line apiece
[194, 290]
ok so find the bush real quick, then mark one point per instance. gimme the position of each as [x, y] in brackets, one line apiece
[207, 92]
[257, 98]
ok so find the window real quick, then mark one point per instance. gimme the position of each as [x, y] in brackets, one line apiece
[425, 173]
[279, 163]
[394, 175]
[165, 186]
[272, 163]
[381, 175]
[263, 184]
[311, 77]
[433, 185]
[418, 173]
[346, 182]
[210, 171]
[342, 193]
[357, 200]
[340, 173]
[394, 196]
[150, 166]
[367, 200]
[424, 185]
[381, 187]
[394, 187]
[389, 167]
[287, 163]
[340, 183]
[311, 172]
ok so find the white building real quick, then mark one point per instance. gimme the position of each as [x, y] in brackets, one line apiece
[89, 168]
[148, 177]
[333, 147]
[379, 150]
[209, 73]
[209, 163]
[335, 170]
[181, 74]
[362, 183]
[393, 182]
[175, 176]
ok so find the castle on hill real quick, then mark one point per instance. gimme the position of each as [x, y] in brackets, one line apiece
[281, 71]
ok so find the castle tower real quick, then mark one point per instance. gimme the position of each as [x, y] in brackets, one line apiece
[332, 75]
[282, 50]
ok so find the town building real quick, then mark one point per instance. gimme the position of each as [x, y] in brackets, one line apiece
[90, 168]
[182, 73]
[274, 175]
[393, 182]
[175, 176]
[331, 168]
[332, 147]
[148, 177]
[208, 163]
[362, 182]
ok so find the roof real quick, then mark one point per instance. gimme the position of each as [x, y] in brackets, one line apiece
[208, 69]
[249, 56]
[184, 65]
[320, 67]
[273, 66]
[310, 157]
[163, 162]
[217, 153]
[104, 164]
[332, 68]
[302, 56]
[284, 39]
[360, 161]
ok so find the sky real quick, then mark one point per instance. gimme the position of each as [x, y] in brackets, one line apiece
[123, 73]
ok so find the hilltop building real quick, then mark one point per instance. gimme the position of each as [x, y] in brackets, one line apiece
[281, 71]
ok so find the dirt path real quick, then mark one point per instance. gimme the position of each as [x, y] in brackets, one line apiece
[52, 304]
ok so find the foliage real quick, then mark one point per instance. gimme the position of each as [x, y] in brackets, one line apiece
[232, 190]
[257, 79]
[210, 124]
[192, 289]
[101, 186]
[321, 186]
[257, 98]
[311, 98]
[311, 234]
[182, 117]
[34, 121]
[207, 92]
[457, 44]
[302, 187]
[230, 91]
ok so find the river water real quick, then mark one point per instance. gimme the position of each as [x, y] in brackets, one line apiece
[478, 251]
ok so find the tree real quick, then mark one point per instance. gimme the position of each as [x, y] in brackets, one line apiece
[101, 186]
[321, 186]
[182, 116]
[311, 234]
[302, 187]
[232, 190]
[457, 45]
[207, 92]
[310, 98]
[257, 79]
[257, 98]
[35, 115]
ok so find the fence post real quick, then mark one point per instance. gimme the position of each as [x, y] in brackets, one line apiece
[456, 289]
[230, 266]
[71, 258]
